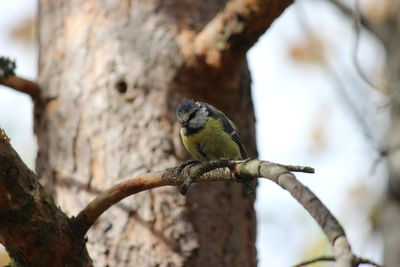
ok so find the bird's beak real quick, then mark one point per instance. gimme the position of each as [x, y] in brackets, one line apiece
[184, 124]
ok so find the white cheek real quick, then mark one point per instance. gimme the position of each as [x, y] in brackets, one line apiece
[195, 123]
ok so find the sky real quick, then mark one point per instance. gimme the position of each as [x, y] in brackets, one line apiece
[302, 119]
[15, 107]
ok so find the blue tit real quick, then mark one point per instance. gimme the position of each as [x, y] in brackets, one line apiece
[207, 133]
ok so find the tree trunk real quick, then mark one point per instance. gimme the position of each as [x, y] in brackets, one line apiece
[111, 75]
[390, 213]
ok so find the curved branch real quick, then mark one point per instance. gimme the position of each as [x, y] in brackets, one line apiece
[330, 258]
[219, 170]
[249, 169]
[27, 213]
[235, 29]
[347, 11]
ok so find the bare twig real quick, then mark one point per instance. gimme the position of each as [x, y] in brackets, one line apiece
[315, 260]
[346, 10]
[350, 104]
[340, 86]
[359, 260]
[357, 29]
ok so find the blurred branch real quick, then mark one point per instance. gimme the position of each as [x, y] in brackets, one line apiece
[336, 80]
[383, 153]
[9, 79]
[319, 259]
[357, 261]
[357, 114]
[357, 19]
[346, 10]
[234, 30]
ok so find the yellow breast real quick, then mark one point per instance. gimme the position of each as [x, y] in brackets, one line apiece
[211, 143]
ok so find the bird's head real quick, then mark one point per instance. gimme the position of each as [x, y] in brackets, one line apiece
[192, 115]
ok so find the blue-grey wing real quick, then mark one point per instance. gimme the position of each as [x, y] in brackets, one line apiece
[228, 126]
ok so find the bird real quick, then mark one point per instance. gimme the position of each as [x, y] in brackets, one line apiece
[207, 133]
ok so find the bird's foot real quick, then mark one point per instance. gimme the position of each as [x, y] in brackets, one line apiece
[189, 180]
[190, 162]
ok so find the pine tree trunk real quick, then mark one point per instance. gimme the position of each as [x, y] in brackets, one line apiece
[390, 211]
[112, 73]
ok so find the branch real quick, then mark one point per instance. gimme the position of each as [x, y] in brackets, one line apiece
[249, 169]
[330, 258]
[205, 172]
[30, 222]
[20, 84]
[235, 29]
[319, 259]
[372, 28]
[8, 78]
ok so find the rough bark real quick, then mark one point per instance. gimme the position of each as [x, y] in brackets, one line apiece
[30, 221]
[389, 220]
[111, 74]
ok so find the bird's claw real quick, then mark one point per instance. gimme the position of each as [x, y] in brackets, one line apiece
[188, 181]
[180, 168]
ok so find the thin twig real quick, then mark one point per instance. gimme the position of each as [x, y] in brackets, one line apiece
[359, 260]
[349, 13]
[357, 30]
[295, 168]
[340, 87]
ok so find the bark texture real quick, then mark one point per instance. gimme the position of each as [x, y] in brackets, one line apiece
[111, 74]
[388, 32]
[30, 222]
[390, 213]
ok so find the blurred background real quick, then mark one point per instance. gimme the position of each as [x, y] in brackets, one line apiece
[313, 108]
